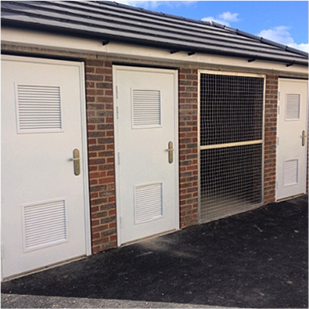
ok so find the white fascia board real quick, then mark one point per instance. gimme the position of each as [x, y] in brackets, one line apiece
[94, 46]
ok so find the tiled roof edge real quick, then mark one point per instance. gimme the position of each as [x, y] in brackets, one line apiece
[263, 40]
[214, 24]
[139, 9]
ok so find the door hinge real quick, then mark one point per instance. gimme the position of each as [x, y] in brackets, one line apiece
[2, 251]
[277, 140]
[278, 109]
[116, 92]
[120, 222]
[278, 95]
[118, 158]
[117, 112]
[277, 185]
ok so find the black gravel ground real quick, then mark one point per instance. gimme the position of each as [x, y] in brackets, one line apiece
[258, 259]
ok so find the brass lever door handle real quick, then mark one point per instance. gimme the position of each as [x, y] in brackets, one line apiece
[76, 162]
[170, 151]
[303, 138]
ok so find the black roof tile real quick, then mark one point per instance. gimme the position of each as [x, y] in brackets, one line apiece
[113, 21]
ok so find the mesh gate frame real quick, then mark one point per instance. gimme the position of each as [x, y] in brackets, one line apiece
[229, 73]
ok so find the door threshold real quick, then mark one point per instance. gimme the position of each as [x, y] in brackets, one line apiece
[290, 197]
[148, 238]
[37, 270]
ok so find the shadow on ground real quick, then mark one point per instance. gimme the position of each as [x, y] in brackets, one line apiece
[257, 259]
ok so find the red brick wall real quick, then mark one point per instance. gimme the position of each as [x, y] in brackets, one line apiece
[99, 97]
[188, 147]
[101, 143]
[101, 149]
[270, 138]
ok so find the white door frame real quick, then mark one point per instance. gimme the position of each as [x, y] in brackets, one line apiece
[278, 132]
[83, 128]
[116, 134]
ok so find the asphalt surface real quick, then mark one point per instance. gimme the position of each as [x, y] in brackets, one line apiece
[258, 259]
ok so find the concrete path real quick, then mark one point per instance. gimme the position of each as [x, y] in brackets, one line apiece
[31, 301]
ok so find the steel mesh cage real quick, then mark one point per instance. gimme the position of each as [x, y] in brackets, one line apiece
[231, 109]
[231, 144]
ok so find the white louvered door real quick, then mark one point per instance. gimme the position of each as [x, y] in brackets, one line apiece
[145, 122]
[291, 140]
[43, 201]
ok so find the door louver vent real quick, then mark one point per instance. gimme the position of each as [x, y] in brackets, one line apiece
[146, 108]
[292, 107]
[148, 203]
[44, 224]
[39, 108]
[290, 172]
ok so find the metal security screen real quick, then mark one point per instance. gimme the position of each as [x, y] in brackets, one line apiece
[231, 144]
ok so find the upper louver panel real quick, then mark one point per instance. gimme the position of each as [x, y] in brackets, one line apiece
[38, 108]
